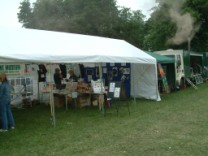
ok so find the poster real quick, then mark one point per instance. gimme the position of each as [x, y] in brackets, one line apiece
[104, 70]
[89, 78]
[103, 64]
[112, 87]
[117, 92]
[112, 64]
[89, 73]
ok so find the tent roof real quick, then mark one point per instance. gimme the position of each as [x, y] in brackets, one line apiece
[161, 58]
[40, 46]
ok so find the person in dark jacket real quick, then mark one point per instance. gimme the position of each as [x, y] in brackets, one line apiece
[58, 79]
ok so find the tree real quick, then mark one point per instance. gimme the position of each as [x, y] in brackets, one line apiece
[25, 15]
[131, 26]
[174, 23]
[198, 8]
[92, 17]
[95, 17]
[158, 29]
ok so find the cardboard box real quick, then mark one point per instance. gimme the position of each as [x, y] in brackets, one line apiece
[59, 100]
[83, 101]
[95, 102]
[98, 99]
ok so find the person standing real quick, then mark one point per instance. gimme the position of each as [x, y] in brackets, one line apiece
[5, 100]
[72, 76]
[58, 79]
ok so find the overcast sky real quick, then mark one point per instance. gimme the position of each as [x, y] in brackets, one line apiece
[9, 9]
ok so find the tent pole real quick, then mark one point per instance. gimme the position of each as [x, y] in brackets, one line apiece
[52, 100]
[102, 91]
[39, 92]
[100, 71]
[53, 109]
[133, 83]
[157, 89]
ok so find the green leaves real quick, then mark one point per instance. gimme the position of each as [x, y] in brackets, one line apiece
[92, 17]
[165, 28]
[25, 15]
[173, 22]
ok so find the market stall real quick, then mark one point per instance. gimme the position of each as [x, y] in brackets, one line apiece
[38, 46]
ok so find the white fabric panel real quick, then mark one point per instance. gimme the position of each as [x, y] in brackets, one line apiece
[50, 71]
[56, 47]
[144, 84]
[76, 70]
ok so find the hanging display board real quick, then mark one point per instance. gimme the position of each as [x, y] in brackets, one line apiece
[23, 88]
[119, 72]
[110, 72]
[97, 86]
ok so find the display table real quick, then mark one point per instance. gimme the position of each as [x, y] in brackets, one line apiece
[73, 95]
[82, 93]
[95, 99]
[82, 99]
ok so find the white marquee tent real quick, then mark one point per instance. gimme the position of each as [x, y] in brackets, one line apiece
[38, 46]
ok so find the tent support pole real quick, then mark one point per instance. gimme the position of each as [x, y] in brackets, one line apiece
[52, 101]
[134, 86]
[39, 92]
[53, 110]
[102, 91]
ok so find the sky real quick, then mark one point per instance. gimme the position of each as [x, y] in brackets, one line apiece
[144, 5]
[9, 9]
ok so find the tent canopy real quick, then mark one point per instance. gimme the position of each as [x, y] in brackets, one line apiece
[161, 58]
[58, 47]
[39, 46]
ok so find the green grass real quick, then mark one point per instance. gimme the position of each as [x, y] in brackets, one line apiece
[175, 126]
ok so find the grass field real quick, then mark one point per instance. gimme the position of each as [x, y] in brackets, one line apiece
[175, 126]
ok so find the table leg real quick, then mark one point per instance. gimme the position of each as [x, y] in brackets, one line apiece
[66, 102]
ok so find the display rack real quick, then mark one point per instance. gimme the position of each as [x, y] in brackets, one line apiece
[23, 90]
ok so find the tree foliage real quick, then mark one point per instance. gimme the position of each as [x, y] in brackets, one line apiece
[77, 16]
[171, 18]
[171, 25]
[25, 14]
[131, 26]
[158, 29]
[92, 17]
[199, 8]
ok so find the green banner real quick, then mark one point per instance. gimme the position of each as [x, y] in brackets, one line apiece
[10, 69]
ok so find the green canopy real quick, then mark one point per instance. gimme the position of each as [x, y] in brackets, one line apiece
[161, 58]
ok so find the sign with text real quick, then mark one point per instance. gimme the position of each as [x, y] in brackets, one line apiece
[114, 90]
[11, 69]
